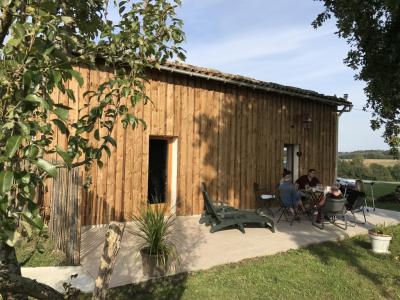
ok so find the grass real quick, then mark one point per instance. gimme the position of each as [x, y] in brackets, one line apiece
[381, 189]
[331, 270]
[47, 256]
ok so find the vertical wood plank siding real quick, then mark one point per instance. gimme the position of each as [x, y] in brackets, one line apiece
[228, 136]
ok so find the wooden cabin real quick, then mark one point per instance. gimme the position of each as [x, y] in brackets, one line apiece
[206, 126]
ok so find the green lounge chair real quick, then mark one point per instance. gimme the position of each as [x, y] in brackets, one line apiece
[223, 216]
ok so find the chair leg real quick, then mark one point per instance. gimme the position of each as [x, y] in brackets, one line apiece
[270, 211]
[322, 220]
[279, 210]
[333, 222]
[241, 227]
[355, 220]
[272, 226]
[283, 211]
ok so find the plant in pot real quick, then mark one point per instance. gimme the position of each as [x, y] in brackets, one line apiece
[153, 230]
[380, 238]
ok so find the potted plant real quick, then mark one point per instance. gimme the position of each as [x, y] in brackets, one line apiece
[380, 238]
[153, 230]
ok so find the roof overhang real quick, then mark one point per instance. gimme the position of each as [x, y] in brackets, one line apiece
[342, 104]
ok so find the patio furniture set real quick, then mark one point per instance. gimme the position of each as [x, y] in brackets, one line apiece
[220, 216]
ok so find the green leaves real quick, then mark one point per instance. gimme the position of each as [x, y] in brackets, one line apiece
[6, 180]
[12, 145]
[46, 166]
[46, 50]
[36, 99]
[12, 237]
[61, 126]
[77, 76]
[65, 156]
[67, 20]
[371, 29]
[61, 113]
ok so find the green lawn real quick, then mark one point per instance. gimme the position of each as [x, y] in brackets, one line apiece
[343, 270]
[46, 256]
[381, 189]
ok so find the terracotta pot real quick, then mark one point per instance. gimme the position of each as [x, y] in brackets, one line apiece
[380, 242]
[154, 265]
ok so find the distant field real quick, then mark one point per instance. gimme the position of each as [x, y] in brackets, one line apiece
[383, 162]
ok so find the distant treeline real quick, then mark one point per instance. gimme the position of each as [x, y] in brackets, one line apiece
[356, 169]
[366, 154]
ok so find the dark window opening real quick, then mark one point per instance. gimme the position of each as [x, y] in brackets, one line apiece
[158, 171]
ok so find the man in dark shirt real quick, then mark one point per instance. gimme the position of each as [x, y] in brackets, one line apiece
[310, 179]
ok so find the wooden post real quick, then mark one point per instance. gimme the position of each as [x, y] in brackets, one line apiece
[107, 261]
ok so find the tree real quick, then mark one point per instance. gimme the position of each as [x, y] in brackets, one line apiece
[371, 28]
[40, 43]
[379, 172]
[395, 171]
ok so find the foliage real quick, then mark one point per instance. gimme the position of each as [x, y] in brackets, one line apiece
[356, 169]
[153, 228]
[40, 44]
[331, 270]
[45, 39]
[371, 28]
[380, 229]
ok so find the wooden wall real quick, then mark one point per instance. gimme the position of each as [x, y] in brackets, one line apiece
[228, 137]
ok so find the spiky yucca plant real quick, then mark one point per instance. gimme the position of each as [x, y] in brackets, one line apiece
[153, 228]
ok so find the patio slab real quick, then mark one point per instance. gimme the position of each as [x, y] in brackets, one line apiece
[200, 249]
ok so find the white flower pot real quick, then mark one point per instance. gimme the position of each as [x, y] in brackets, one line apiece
[380, 243]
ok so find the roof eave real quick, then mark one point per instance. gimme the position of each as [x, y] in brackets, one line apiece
[332, 100]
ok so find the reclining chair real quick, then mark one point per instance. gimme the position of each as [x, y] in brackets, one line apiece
[223, 216]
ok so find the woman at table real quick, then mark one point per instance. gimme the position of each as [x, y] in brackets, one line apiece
[335, 193]
[290, 196]
[352, 195]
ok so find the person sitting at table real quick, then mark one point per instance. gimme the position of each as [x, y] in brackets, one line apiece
[335, 193]
[352, 195]
[284, 173]
[290, 196]
[310, 179]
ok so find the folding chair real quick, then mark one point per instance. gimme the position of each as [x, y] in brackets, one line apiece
[287, 210]
[359, 206]
[332, 209]
[261, 194]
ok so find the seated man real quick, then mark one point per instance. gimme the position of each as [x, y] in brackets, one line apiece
[310, 179]
[289, 194]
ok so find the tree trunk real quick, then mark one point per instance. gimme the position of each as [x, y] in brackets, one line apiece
[107, 261]
[14, 286]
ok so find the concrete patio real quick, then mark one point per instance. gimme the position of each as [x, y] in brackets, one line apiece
[200, 250]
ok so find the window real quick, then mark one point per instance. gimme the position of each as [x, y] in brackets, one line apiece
[159, 169]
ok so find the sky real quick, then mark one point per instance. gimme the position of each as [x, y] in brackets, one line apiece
[274, 41]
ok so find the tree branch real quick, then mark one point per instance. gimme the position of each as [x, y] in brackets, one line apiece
[12, 284]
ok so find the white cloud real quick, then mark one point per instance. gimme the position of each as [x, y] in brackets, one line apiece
[244, 47]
